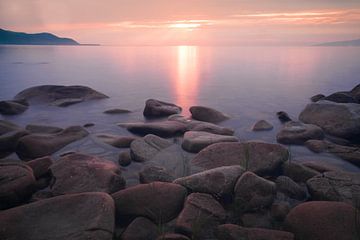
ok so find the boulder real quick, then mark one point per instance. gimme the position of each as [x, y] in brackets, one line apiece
[195, 141]
[116, 111]
[279, 210]
[155, 174]
[218, 181]
[40, 166]
[117, 141]
[259, 219]
[321, 166]
[262, 125]
[158, 201]
[9, 140]
[252, 192]
[140, 229]
[6, 126]
[200, 216]
[341, 97]
[162, 129]
[298, 172]
[40, 145]
[12, 107]
[290, 188]
[172, 236]
[156, 108]
[146, 148]
[64, 102]
[338, 119]
[207, 114]
[235, 232]
[283, 117]
[75, 216]
[317, 97]
[76, 173]
[34, 128]
[322, 220]
[298, 133]
[124, 158]
[259, 157]
[17, 183]
[355, 92]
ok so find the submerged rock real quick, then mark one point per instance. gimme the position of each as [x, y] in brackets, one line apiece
[64, 102]
[116, 111]
[156, 108]
[207, 114]
[9, 141]
[317, 97]
[12, 107]
[262, 125]
[116, 140]
[162, 129]
[298, 133]
[34, 128]
[6, 126]
[283, 117]
[341, 97]
[155, 174]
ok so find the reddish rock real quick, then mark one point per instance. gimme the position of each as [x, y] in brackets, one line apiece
[140, 229]
[40, 166]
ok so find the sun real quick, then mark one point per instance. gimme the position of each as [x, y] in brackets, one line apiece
[185, 25]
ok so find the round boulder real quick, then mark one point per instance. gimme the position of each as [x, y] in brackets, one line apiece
[156, 108]
[207, 114]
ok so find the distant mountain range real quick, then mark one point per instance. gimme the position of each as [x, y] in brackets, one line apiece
[350, 43]
[20, 38]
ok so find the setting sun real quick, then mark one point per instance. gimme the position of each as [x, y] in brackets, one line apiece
[188, 26]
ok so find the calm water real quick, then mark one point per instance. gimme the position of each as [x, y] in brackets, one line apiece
[248, 83]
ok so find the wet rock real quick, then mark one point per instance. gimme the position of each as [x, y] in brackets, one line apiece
[298, 133]
[12, 107]
[40, 166]
[258, 157]
[146, 148]
[56, 93]
[341, 97]
[9, 140]
[262, 125]
[335, 186]
[194, 141]
[280, 210]
[252, 192]
[66, 102]
[355, 92]
[317, 97]
[117, 111]
[290, 188]
[33, 128]
[321, 166]
[40, 145]
[124, 158]
[155, 174]
[338, 119]
[235, 232]
[207, 114]
[218, 181]
[17, 183]
[200, 216]
[256, 220]
[74, 216]
[87, 125]
[140, 229]
[194, 125]
[323, 221]
[298, 172]
[156, 108]
[116, 140]
[6, 126]
[158, 201]
[76, 173]
[162, 129]
[172, 236]
[283, 117]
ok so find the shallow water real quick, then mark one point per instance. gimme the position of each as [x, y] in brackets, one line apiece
[248, 83]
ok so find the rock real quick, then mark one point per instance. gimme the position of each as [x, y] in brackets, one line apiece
[194, 141]
[76, 173]
[298, 133]
[283, 117]
[317, 97]
[75, 216]
[87, 125]
[40, 166]
[235, 232]
[155, 174]
[316, 146]
[323, 221]
[12, 107]
[335, 186]
[355, 92]
[321, 166]
[117, 111]
[33, 128]
[207, 114]
[341, 97]
[124, 158]
[258, 157]
[116, 140]
[146, 148]
[280, 210]
[218, 181]
[6, 126]
[256, 220]
[156, 108]
[162, 129]
[40, 145]
[17, 183]
[9, 140]
[57, 94]
[252, 192]
[172, 236]
[140, 229]
[298, 172]
[200, 216]
[158, 201]
[66, 102]
[290, 188]
[338, 119]
[262, 125]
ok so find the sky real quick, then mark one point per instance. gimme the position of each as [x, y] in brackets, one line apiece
[187, 22]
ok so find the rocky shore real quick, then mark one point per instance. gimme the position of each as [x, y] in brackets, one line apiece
[227, 189]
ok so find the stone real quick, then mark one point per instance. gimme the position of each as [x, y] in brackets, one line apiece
[117, 141]
[17, 183]
[298, 172]
[200, 216]
[262, 125]
[87, 125]
[140, 229]
[355, 92]
[151, 174]
[280, 210]
[172, 236]
[117, 111]
[125, 158]
[66, 102]
[76, 173]
[34, 128]
[298, 133]
[146, 148]
[207, 114]
[321, 166]
[283, 117]
[341, 97]
[74, 216]
[195, 141]
[40, 145]
[257, 220]
[162, 129]
[252, 192]
[259, 157]
[290, 188]
[235, 232]
[40, 166]
[218, 181]
[12, 108]
[156, 108]
[322, 220]
[158, 201]
[9, 140]
[317, 97]
[6, 126]
[338, 119]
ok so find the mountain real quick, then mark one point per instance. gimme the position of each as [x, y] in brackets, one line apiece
[350, 43]
[20, 38]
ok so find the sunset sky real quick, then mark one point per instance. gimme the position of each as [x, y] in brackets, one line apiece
[187, 22]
